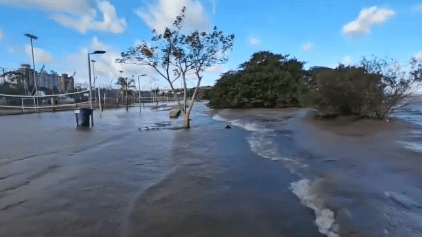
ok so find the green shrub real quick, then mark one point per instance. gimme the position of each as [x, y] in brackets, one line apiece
[266, 80]
[346, 91]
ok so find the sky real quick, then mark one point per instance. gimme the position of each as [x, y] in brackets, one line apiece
[321, 33]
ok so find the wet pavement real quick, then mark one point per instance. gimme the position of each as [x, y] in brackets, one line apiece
[116, 180]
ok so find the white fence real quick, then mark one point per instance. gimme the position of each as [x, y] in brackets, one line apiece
[75, 99]
[45, 101]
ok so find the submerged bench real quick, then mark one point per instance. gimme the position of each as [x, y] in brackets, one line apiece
[175, 113]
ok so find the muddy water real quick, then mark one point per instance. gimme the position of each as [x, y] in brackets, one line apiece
[114, 180]
[273, 174]
[361, 178]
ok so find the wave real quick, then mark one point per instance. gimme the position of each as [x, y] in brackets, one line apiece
[264, 147]
[307, 192]
[247, 125]
[414, 146]
[261, 142]
[219, 118]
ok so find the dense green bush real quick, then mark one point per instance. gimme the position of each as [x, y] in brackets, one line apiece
[266, 80]
[346, 91]
[272, 80]
[371, 90]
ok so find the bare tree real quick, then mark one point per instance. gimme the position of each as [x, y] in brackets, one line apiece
[395, 84]
[176, 56]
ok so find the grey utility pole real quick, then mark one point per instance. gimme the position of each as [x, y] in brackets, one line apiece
[95, 79]
[90, 84]
[139, 83]
[33, 37]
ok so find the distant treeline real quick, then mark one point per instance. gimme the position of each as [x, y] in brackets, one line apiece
[273, 81]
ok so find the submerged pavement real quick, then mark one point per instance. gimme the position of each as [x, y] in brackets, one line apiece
[116, 180]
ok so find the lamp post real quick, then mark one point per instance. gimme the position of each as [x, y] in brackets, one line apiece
[90, 85]
[150, 87]
[127, 101]
[139, 83]
[133, 79]
[95, 79]
[33, 37]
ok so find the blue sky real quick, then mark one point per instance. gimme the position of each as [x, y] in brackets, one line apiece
[322, 33]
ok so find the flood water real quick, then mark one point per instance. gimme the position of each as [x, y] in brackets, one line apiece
[114, 180]
[268, 175]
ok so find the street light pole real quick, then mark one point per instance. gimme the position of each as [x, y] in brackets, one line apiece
[90, 84]
[139, 83]
[33, 37]
[95, 79]
[139, 96]
[152, 93]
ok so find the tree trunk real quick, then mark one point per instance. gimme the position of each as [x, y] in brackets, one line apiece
[127, 102]
[186, 120]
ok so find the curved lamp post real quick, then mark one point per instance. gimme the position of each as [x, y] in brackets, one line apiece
[90, 86]
[33, 37]
[95, 79]
[139, 83]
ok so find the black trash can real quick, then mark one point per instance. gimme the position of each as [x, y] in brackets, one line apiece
[82, 117]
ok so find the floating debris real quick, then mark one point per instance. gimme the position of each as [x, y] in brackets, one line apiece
[330, 160]
[163, 124]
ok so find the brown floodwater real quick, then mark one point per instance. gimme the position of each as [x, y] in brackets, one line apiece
[116, 180]
[276, 172]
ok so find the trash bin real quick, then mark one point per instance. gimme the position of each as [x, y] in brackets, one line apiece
[82, 117]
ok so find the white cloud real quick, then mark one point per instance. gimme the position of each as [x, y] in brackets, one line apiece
[306, 48]
[217, 69]
[254, 41]
[366, 19]
[418, 56]
[110, 21]
[347, 61]
[106, 68]
[163, 13]
[82, 15]
[418, 8]
[98, 45]
[40, 55]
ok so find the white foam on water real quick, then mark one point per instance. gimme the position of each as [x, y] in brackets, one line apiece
[249, 126]
[414, 146]
[264, 147]
[305, 190]
[262, 144]
[219, 118]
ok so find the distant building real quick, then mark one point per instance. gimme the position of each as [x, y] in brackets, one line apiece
[25, 76]
[66, 83]
[27, 72]
[49, 80]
